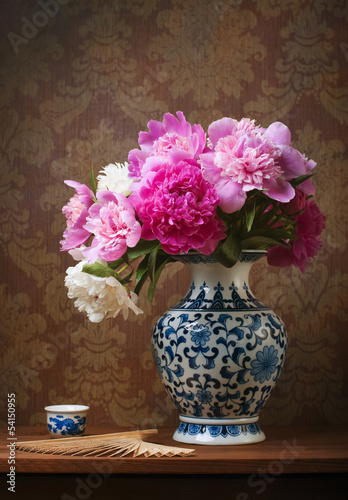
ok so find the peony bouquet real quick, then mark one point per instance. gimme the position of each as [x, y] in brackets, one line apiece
[240, 186]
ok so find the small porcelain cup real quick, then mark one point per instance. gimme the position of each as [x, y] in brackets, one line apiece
[66, 420]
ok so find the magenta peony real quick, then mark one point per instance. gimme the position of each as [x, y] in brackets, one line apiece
[309, 226]
[172, 138]
[113, 223]
[177, 207]
[76, 212]
[246, 157]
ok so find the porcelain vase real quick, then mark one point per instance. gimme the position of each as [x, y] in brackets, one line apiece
[219, 353]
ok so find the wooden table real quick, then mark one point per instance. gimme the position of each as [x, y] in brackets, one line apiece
[293, 463]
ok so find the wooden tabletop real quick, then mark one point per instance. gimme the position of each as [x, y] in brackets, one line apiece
[287, 450]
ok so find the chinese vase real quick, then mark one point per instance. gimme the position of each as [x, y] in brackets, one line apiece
[219, 353]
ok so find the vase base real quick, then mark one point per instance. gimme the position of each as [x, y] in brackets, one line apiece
[219, 432]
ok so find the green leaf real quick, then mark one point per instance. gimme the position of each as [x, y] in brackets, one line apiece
[249, 218]
[114, 264]
[141, 282]
[298, 180]
[271, 232]
[228, 252]
[93, 185]
[125, 279]
[141, 274]
[97, 269]
[152, 262]
[261, 243]
[266, 219]
[143, 266]
[161, 263]
[222, 215]
[143, 247]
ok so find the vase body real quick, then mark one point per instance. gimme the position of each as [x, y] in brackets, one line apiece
[219, 353]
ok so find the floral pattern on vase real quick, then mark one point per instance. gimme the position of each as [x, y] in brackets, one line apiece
[219, 353]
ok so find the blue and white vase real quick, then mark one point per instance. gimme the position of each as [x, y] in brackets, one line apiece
[219, 353]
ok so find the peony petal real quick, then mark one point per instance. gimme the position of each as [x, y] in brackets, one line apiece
[105, 197]
[145, 141]
[197, 145]
[91, 253]
[156, 128]
[77, 253]
[209, 247]
[136, 158]
[232, 197]
[74, 238]
[279, 134]
[291, 163]
[86, 195]
[198, 132]
[176, 155]
[210, 171]
[280, 256]
[172, 124]
[307, 187]
[147, 233]
[279, 190]
[221, 128]
[153, 164]
[311, 164]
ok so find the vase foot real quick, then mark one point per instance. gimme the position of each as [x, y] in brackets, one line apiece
[207, 431]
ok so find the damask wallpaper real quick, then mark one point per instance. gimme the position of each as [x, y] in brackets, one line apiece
[79, 80]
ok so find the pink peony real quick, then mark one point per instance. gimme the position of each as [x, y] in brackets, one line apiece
[177, 207]
[76, 212]
[307, 243]
[246, 157]
[113, 223]
[172, 138]
[296, 205]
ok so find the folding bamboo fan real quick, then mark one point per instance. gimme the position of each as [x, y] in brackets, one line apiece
[105, 445]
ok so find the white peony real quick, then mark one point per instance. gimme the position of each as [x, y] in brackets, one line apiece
[114, 177]
[99, 297]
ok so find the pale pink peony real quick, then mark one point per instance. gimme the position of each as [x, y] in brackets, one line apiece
[309, 226]
[173, 138]
[244, 157]
[177, 207]
[113, 223]
[76, 212]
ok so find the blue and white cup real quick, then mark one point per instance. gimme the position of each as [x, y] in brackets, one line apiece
[66, 420]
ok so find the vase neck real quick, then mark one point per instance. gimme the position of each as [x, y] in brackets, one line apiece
[212, 274]
[217, 287]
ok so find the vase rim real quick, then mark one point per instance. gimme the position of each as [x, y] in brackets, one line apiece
[247, 250]
[195, 252]
[247, 255]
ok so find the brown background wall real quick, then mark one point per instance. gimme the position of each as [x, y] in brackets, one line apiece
[76, 91]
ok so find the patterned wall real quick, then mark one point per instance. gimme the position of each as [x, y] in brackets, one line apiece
[79, 79]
